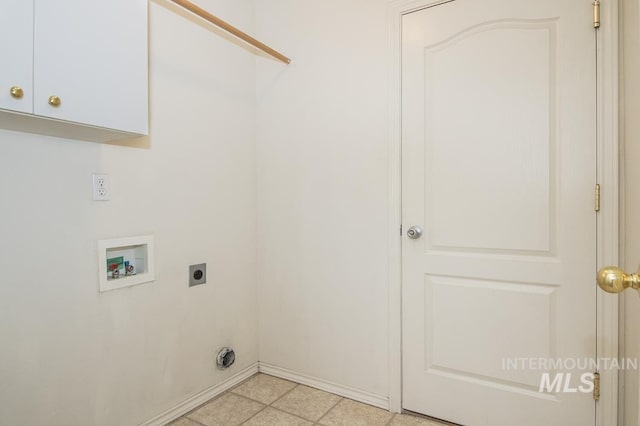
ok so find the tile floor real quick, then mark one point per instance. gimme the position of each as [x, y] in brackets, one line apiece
[264, 400]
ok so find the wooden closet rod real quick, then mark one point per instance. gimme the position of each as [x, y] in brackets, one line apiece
[231, 29]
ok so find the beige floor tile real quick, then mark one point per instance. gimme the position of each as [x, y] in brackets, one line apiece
[272, 417]
[263, 388]
[405, 420]
[352, 413]
[307, 402]
[183, 421]
[228, 410]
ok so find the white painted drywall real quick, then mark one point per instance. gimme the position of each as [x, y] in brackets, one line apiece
[322, 153]
[630, 131]
[72, 356]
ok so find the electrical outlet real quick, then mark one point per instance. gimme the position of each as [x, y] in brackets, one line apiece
[101, 188]
[197, 274]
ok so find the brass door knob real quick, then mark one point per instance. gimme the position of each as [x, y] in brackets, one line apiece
[55, 101]
[17, 92]
[614, 280]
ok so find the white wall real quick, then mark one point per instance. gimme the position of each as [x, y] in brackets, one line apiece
[630, 132]
[72, 356]
[322, 152]
[320, 147]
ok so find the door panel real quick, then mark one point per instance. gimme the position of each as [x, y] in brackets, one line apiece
[456, 76]
[499, 170]
[517, 314]
[16, 45]
[93, 56]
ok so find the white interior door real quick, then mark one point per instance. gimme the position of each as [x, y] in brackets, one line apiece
[499, 157]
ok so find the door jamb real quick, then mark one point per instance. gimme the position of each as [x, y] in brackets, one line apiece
[607, 219]
[608, 167]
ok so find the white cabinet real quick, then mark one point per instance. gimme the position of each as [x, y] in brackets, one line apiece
[84, 71]
[16, 48]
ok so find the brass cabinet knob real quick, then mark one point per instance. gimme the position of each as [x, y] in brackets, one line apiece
[614, 280]
[55, 101]
[17, 92]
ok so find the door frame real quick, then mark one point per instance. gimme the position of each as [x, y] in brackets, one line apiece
[608, 176]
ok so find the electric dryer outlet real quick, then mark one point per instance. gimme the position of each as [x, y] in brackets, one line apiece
[197, 274]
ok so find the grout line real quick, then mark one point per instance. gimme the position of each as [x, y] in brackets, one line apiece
[264, 406]
[220, 396]
[188, 418]
[391, 419]
[241, 383]
[271, 405]
[216, 398]
[258, 412]
[329, 410]
[255, 400]
[249, 398]
[187, 414]
[283, 395]
[291, 414]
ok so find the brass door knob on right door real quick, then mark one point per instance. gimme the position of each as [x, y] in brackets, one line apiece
[614, 280]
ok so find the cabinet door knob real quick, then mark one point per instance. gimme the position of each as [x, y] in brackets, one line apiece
[54, 101]
[17, 92]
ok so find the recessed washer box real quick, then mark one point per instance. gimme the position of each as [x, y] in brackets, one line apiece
[125, 262]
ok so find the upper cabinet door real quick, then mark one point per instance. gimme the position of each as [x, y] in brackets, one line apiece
[16, 45]
[90, 58]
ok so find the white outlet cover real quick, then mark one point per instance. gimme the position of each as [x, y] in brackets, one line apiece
[101, 187]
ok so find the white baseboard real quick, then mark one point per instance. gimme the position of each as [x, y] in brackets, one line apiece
[201, 397]
[347, 392]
